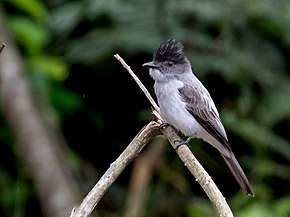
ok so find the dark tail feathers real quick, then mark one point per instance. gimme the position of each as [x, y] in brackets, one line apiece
[239, 174]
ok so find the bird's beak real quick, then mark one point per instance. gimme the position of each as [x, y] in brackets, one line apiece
[150, 65]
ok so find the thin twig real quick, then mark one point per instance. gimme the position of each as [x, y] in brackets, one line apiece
[219, 203]
[143, 88]
[116, 168]
[2, 47]
[133, 149]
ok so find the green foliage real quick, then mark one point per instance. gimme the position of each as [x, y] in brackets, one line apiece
[33, 8]
[30, 35]
[52, 66]
[239, 49]
[14, 195]
[279, 208]
[46, 72]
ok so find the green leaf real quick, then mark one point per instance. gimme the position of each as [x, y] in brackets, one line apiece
[53, 67]
[31, 36]
[33, 8]
[256, 210]
[282, 207]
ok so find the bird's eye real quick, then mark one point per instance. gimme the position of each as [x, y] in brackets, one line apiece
[169, 63]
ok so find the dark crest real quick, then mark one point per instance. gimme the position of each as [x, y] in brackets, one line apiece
[170, 51]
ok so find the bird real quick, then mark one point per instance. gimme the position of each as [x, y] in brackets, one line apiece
[187, 105]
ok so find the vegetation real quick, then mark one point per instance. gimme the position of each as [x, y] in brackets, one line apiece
[239, 49]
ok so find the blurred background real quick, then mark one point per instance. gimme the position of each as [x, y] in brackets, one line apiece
[68, 108]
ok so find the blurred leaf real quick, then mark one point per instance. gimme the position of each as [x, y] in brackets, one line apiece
[267, 169]
[53, 67]
[100, 43]
[274, 106]
[282, 207]
[200, 208]
[239, 49]
[34, 8]
[64, 19]
[256, 210]
[31, 36]
[259, 136]
[65, 101]
[14, 194]
[279, 208]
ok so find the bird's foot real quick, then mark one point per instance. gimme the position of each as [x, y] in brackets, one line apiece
[164, 125]
[180, 143]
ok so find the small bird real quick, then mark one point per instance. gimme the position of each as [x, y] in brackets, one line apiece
[187, 105]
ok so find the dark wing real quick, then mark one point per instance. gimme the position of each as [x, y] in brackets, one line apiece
[202, 108]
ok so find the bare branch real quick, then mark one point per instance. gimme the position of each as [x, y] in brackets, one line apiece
[2, 47]
[141, 175]
[142, 87]
[133, 149]
[219, 203]
[201, 176]
[116, 168]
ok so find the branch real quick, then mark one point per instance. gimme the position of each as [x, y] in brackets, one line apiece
[141, 175]
[2, 47]
[201, 176]
[116, 168]
[134, 148]
[143, 88]
[218, 201]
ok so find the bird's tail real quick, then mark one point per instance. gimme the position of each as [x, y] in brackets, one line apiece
[238, 173]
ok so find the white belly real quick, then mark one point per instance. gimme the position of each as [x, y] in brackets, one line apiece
[173, 109]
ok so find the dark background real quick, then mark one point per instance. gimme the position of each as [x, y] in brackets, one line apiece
[239, 50]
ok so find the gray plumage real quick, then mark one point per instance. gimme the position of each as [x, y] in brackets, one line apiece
[187, 105]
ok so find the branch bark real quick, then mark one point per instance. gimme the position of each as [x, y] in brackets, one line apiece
[143, 137]
[2, 47]
[218, 201]
[201, 176]
[141, 175]
[115, 169]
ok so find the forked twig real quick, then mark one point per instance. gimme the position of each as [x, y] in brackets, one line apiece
[116, 168]
[142, 87]
[202, 177]
[2, 47]
[142, 138]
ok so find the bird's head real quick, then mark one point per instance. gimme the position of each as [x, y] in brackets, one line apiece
[168, 60]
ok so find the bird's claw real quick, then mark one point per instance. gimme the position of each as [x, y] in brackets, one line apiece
[180, 143]
[164, 125]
